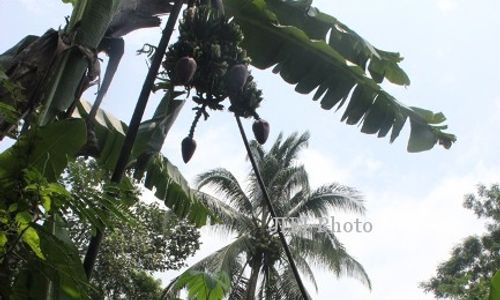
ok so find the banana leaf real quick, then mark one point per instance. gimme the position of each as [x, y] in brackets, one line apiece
[156, 171]
[291, 36]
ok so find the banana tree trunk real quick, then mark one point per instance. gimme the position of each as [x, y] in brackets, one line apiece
[66, 80]
[134, 124]
[51, 68]
[54, 69]
[27, 64]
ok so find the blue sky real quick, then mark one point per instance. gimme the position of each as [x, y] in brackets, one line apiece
[414, 201]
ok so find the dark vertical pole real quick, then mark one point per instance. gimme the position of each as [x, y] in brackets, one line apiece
[133, 127]
[272, 211]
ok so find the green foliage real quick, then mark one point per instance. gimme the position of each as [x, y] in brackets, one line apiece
[50, 257]
[97, 202]
[31, 196]
[144, 286]
[156, 241]
[495, 287]
[10, 92]
[169, 186]
[45, 149]
[317, 25]
[204, 285]
[36, 199]
[486, 204]
[467, 274]
[8, 112]
[291, 36]
[27, 173]
[244, 214]
[34, 245]
[27, 233]
[109, 132]
[62, 267]
[36, 211]
[7, 58]
[155, 170]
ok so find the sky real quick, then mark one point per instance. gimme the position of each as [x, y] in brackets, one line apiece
[414, 201]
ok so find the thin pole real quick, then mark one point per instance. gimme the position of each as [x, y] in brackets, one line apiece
[121, 164]
[291, 261]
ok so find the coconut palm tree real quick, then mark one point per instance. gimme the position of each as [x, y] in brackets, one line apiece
[255, 260]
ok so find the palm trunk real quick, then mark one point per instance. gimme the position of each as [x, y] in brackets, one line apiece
[252, 282]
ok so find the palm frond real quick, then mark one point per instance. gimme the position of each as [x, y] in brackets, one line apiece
[268, 168]
[270, 285]
[325, 251]
[230, 218]
[226, 259]
[287, 183]
[239, 285]
[278, 172]
[305, 268]
[201, 285]
[257, 150]
[286, 151]
[225, 184]
[332, 196]
[277, 143]
[289, 290]
[297, 144]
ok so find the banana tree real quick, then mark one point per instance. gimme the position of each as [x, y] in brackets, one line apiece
[33, 165]
[55, 68]
[155, 170]
[315, 51]
[30, 196]
[57, 84]
[44, 152]
[495, 286]
[309, 49]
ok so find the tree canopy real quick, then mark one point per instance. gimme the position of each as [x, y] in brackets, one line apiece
[467, 274]
[256, 247]
[157, 240]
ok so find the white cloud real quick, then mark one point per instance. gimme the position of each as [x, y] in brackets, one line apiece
[41, 7]
[136, 39]
[410, 237]
[496, 108]
[322, 169]
[447, 6]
